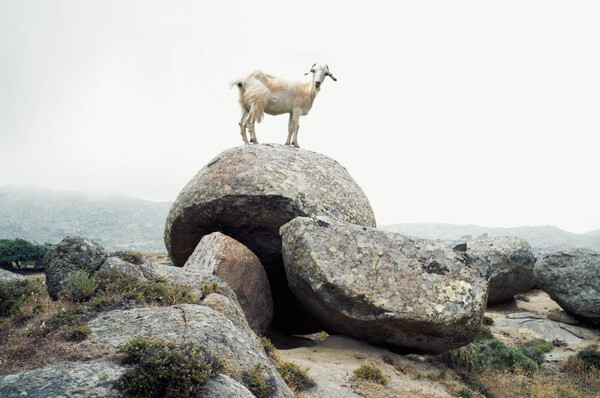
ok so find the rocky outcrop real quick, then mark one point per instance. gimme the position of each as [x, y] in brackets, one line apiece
[188, 323]
[228, 259]
[247, 193]
[71, 255]
[10, 276]
[507, 262]
[74, 379]
[383, 287]
[572, 279]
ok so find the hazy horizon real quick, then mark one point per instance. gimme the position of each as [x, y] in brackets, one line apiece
[460, 112]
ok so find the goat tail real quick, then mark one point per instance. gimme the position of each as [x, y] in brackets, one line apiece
[254, 96]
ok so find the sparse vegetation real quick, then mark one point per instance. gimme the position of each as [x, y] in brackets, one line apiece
[495, 356]
[209, 289]
[131, 257]
[14, 294]
[165, 369]
[294, 376]
[488, 321]
[80, 287]
[254, 380]
[371, 372]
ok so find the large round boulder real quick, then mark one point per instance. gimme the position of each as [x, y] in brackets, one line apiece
[222, 256]
[572, 279]
[383, 287]
[71, 255]
[506, 261]
[247, 193]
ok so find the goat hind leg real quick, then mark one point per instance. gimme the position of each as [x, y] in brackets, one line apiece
[251, 131]
[243, 123]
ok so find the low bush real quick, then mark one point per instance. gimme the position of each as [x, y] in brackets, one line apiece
[165, 369]
[491, 355]
[80, 287]
[488, 321]
[590, 357]
[131, 257]
[371, 373]
[15, 293]
[294, 376]
[256, 382]
[536, 349]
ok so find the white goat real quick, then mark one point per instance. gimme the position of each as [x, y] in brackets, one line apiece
[260, 93]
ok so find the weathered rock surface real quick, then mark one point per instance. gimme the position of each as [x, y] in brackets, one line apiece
[228, 259]
[10, 276]
[71, 255]
[116, 264]
[506, 261]
[231, 310]
[572, 279]
[383, 287]
[224, 387]
[247, 193]
[197, 324]
[74, 379]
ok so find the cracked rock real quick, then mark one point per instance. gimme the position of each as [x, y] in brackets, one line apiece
[384, 287]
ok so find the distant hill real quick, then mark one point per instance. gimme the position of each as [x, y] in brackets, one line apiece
[543, 239]
[118, 222]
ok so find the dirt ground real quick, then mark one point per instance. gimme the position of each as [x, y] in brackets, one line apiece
[332, 359]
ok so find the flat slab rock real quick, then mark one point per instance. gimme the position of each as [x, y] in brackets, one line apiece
[383, 287]
[184, 323]
[10, 276]
[75, 379]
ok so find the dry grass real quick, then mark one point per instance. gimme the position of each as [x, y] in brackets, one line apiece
[24, 345]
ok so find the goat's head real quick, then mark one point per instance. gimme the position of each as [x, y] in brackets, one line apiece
[320, 72]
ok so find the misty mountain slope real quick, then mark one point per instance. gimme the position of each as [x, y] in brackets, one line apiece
[543, 239]
[118, 222]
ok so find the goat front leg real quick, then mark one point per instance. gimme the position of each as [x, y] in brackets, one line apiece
[293, 127]
[290, 129]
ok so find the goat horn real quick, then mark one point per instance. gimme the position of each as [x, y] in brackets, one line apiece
[331, 76]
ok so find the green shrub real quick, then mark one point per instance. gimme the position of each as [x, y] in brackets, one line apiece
[294, 376]
[536, 349]
[488, 321]
[267, 345]
[372, 373]
[80, 287]
[79, 333]
[131, 257]
[256, 383]
[208, 289]
[491, 355]
[590, 357]
[165, 369]
[116, 287]
[464, 393]
[15, 293]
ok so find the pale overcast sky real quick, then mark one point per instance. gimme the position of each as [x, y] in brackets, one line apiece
[467, 112]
